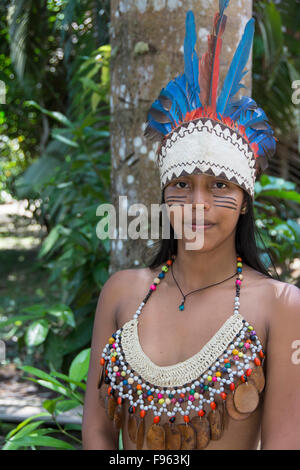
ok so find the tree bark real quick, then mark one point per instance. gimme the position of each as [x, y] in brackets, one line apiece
[147, 39]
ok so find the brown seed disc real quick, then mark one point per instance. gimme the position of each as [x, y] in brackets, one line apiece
[156, 437]
[232, 411]
[173, 437]
[112, 403]
[246, 398]
[132, 427]
[215, 420]
[118, 417]
[201, 426]
[188, 436]
[258, 378]
[140, 434]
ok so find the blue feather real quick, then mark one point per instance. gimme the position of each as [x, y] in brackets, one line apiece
[235, 73]
[236, 108]
[191, 61]
[162, 128]
[223, 4]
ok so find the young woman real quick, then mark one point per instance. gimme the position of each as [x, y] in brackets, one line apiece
[199, 349]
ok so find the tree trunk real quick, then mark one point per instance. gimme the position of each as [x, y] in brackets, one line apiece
[147, 52]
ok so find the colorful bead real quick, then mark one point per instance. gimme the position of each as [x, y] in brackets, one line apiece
[111, 340]
[156, 280]
[218, 374]
[232, 386]
[201, 412]
[223, 395]
[213, 405]
[186, 418]
[153, 287]
[235, 352]
[142, 413]
[102, 361]
[165, 269]
[156, 419]
[169, 262]
[257, 361]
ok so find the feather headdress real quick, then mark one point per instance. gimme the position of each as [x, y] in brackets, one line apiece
[201, 132]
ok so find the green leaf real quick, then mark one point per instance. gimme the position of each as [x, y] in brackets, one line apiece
[290, 195]
[64, 313]
[61, 118]
[80, 365]
[40, 373]
[17, 318]
[64, 139]
[25, 422]
[67, 379]
[51, 405]
[43, 441]
[37, 332]
[50, 241]
[66, 405]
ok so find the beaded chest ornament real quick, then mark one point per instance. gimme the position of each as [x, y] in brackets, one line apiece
[223, 379]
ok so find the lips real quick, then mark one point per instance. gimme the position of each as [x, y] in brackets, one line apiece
[206, 222]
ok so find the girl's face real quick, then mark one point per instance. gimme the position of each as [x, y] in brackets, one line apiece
[221, 202]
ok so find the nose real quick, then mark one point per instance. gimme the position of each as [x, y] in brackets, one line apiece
[199, 195]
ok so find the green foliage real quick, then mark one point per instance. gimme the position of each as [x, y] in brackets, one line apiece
[69, 173]
[32, 433]
[276, 210]
[276, 63]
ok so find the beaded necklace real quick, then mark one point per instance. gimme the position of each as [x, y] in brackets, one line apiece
[225, 375]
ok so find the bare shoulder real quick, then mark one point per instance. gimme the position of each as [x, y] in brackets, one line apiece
[275, 298]
[274, 290]
[128, 277]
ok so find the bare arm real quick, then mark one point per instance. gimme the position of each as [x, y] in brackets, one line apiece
[281, 412]
[98, 432]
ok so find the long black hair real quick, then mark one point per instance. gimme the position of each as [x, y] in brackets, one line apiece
[245, 243]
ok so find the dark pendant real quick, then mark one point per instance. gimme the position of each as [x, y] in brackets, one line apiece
[181, 306]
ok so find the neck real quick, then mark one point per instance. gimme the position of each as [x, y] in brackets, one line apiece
[194, 269]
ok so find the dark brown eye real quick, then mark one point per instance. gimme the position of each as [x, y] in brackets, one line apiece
[221, 182]
[181, 184]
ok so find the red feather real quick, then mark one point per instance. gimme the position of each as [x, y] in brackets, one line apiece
[209, 65]
[215, 74]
